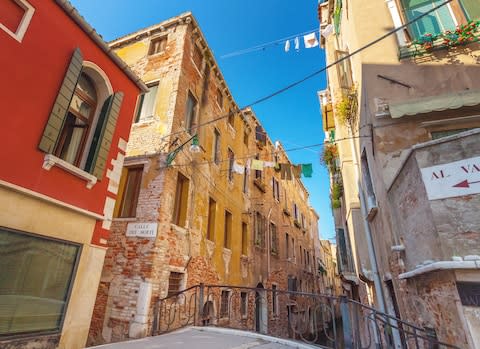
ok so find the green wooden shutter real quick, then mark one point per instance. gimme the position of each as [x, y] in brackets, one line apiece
[94, 146]
[57, 116]
[101, 150]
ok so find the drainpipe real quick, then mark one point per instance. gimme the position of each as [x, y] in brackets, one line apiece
[371, 249]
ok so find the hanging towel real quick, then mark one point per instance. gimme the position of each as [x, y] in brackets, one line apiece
[285, 171]
[307, 170]
[297, 170]
[310, 40]
[257, 165]
[238, 168]
[287, 45]
[327, 31]
[268, 164]
[297, 44]
[247, 165]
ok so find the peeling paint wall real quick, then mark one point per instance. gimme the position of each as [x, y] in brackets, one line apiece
[137, 270]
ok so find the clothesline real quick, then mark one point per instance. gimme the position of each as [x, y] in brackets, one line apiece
[309, 38]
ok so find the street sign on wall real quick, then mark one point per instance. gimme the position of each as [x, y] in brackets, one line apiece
[142, 230]
[452, 179]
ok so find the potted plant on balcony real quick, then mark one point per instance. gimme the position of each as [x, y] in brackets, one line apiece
[336, 194]
[329, 157]
[346, 108]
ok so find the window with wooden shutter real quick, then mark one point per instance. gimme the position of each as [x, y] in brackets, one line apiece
[129, 192]
[58, 115]
[181, 201]
[212, 211]
[71, 121]
[190, 112]
[227, 238]
[106, 124]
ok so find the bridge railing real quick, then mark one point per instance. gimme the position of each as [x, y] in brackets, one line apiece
[321, 320]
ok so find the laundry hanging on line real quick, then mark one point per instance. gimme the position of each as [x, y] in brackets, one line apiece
[236, 168]
[310, 40]
[327, 31]
[307, 170]
[257, 165]
[287, 45]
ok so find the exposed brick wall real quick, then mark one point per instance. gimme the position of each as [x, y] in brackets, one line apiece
[137, 270]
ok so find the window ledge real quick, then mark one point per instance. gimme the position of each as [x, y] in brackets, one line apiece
[51, 160]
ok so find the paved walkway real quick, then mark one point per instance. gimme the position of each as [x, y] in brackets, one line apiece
[207, 338]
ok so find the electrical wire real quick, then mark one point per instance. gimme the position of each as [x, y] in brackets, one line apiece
[315, 73]
[265, 45]
[251, 156]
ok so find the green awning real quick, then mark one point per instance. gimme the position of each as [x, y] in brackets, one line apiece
[435, 103]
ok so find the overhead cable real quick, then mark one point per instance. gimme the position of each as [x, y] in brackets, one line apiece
[311, 75]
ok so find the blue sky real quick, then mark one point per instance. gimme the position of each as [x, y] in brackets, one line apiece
[292, 117]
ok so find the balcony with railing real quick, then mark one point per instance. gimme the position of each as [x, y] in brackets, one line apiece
[428, 43]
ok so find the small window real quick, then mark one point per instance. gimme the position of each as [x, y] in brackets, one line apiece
[243, 304]
[287, 246]
[231, 118]
[274, 300]
[197, 56]
[36, 278]
[244, 239]
[231, 160]
[130, 192]
[344, 70]
[216, 147]
[190, 113]
[181, 201]
[260, 135]
[224, 304]
[293, 248]
[367, 179]
[174, 283]
[245, 138]
[259, 229]
[295, 211]
[276, 189]
[220, 98]
[246, 174]
[212, 212]
[157, 45]
[227, 238]
[274, 239]
[258, 173]
[146, 103]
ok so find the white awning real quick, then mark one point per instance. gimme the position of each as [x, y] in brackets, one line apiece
[436, 103]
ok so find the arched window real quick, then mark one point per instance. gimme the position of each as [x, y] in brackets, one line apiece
[83, 119]
[78, 121]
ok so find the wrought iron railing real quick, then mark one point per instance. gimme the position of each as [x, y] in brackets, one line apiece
[320, 320]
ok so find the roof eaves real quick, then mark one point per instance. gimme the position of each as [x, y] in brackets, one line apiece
[90, 31]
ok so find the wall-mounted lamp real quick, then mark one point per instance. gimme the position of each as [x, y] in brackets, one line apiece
[194, 148]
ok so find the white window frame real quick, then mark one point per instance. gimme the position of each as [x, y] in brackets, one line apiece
[24, 23]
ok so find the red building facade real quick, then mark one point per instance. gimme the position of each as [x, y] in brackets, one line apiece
[67, 107]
